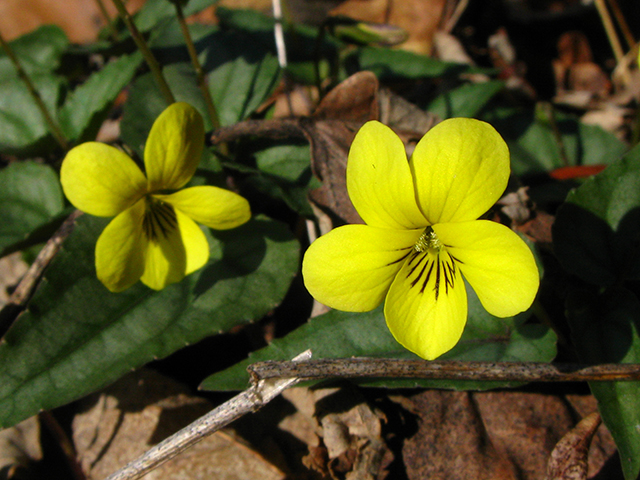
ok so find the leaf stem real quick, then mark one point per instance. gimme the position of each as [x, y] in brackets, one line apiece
[51, 123]
[146, 52]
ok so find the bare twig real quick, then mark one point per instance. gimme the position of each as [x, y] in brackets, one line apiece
[255, 397]
[610, 30]
[279, 33]
[451, 22]
[622, 23]
[274, 128]
[27, 285]
[443, 370]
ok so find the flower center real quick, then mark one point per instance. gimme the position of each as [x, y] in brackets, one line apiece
[431, 262]
[159, 218]
[428, 242]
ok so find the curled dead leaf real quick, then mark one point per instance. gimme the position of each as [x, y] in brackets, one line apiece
[568, 460]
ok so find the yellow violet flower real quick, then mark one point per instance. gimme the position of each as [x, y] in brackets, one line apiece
[154, 237]
[422, 235]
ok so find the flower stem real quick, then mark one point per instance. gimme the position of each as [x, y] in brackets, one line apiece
[202, 83]
[51, 123]
[146, 52]
[211, 108]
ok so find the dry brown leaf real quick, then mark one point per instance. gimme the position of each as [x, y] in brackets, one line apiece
[499, 435]
[19, 446]
[503, 56]
[419, 18]
[352, 447]
[516, 205]
[12, 268]
[575, 71]
[573, 48]
[568, 460]
[80, 19]
[334, 124]
[330, 132]
[142, 409]
[405, 118]
[538, 228]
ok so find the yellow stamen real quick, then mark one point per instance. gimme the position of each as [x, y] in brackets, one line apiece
[428, 242]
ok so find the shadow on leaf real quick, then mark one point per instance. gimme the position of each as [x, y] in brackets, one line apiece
[243, 250]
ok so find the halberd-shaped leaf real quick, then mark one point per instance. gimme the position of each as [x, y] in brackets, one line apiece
[77, 337]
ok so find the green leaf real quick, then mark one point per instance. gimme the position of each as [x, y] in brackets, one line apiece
[245, 19]
[88, 105]
[605, 329]
[77, 337]
[466, 100]
[595, 232]
[283, 173]
[30, 197]
[241, 74]
[366, 33]
[343, 335]
[291, 162]
[146, 103]
[23, 130]
[39, 51]
[389, 64]
[154, 11]
[534, 146]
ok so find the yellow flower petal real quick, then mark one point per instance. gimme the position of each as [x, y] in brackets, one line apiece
[496, 262]
[174, 147]
[426, 308]
[351, 267]
[101, 180]
[212, 206]
[120, 250]
[176, 246]
[379, 179]
[460, 167]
